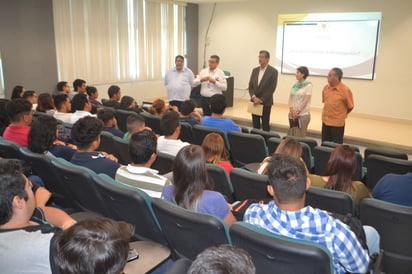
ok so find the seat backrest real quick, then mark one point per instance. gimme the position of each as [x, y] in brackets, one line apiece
[266, 134]
[189, 233]
[394, 224]
[106, 142]
[307, 156]
[79, 182]
[387, 152]
[41, 165]
[248, 185]
[9, 149]
[246, 148]
[121, 117]
[334, 145]
[273, 253]
[330, 200]
[221, 181]
[200, 133]
[378, 166]
[121, 150]
[130, 204]
[163, 163]
[152, 121]
[312, 143]
[186, 133]
[273, 143]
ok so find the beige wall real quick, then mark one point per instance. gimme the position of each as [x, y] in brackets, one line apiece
[240, 29]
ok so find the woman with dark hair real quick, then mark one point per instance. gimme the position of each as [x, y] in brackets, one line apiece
[299, 103]
[339, 173]
[17, 92]
[191, 189]
[45, 103]
[43, 138]
[215, 152]
[129, 103]
[93, 94]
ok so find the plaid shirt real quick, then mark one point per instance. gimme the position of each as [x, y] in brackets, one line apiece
[313, 225]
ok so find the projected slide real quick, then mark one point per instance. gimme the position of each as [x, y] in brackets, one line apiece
[323, 41]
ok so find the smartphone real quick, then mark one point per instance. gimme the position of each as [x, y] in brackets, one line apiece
[133, 255]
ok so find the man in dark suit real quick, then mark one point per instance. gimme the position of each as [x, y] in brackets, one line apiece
[262, 85]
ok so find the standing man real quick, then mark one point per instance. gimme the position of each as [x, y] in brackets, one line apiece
[262, 85]
[178, 82]
[213, 82]
[338, 102]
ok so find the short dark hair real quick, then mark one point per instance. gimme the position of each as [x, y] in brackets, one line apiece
[338, 73]
[12, 183]
[105, 114]
[28, 94]
[179, 57]
[61, 85]
[134, 119]
[113, 89]
[96, 245]
[78, 83]
[60, 99]
[85, 131]
[187, 107]
[214, 56]
[266, 53]
[16, 108]
[141, 146]
[287, 176]
[42, 133]
[304, 71]
[221, 260]
[218, 104]
[79, 101]
[169, 122]
[91, 90]
[125, 102]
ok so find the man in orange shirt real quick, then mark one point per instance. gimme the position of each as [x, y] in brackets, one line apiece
[338, 102]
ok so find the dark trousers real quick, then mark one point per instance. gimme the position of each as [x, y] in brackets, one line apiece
[265, 119]
[332, 134]
[176, 103]
[206, 106]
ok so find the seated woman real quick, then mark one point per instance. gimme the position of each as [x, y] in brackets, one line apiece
[191, 189]
[43, 138]
[339, 173]
[129, 103]
[159, 107]
[45, 103]
[93, 94]
[215, 151]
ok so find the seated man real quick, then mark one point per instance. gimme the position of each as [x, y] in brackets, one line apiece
[31, 96]
[25, 236]
[142, 149]
[169, 142]
[79, 86]
[63, 108]
[20, 115]
[394, 188]
[109, 120]
[134, 123]
[86, 135]
[98, 245]
[63, 88]
[114, 97]
[81, 107]
[188, 113]
[287, 215]
[216, 120]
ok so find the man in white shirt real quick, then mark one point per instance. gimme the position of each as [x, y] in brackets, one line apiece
[169, 142]
[81, 107]
[213, 82]
[63, 108]
[178, 81]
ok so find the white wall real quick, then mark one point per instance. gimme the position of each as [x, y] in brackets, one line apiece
[240, 29]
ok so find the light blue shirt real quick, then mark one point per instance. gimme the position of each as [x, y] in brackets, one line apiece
[179, 84]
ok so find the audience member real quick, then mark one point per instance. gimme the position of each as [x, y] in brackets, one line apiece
[4, 118]
[81, 107]
[158, 107]
[20, 116]
[63, 108]
[25, 231]
[169, 142]
[287, 215]
[110, 122]
[129, 103]
[79, 86]
[215, 151]
[191, 188]
[97, 245]
[188, 113]
[222, 259]
[114, 97]
[17, 92]
[134, 123]
[394, 188]
[142, 150]
[338, 175]
[31, 96]
[93, 94]
[43, 138]
[63, 88]
[45, 103]
[216, 120]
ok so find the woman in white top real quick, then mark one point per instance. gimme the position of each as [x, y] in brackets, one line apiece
[299, 103]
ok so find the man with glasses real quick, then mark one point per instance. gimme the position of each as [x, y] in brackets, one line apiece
[213, 82]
